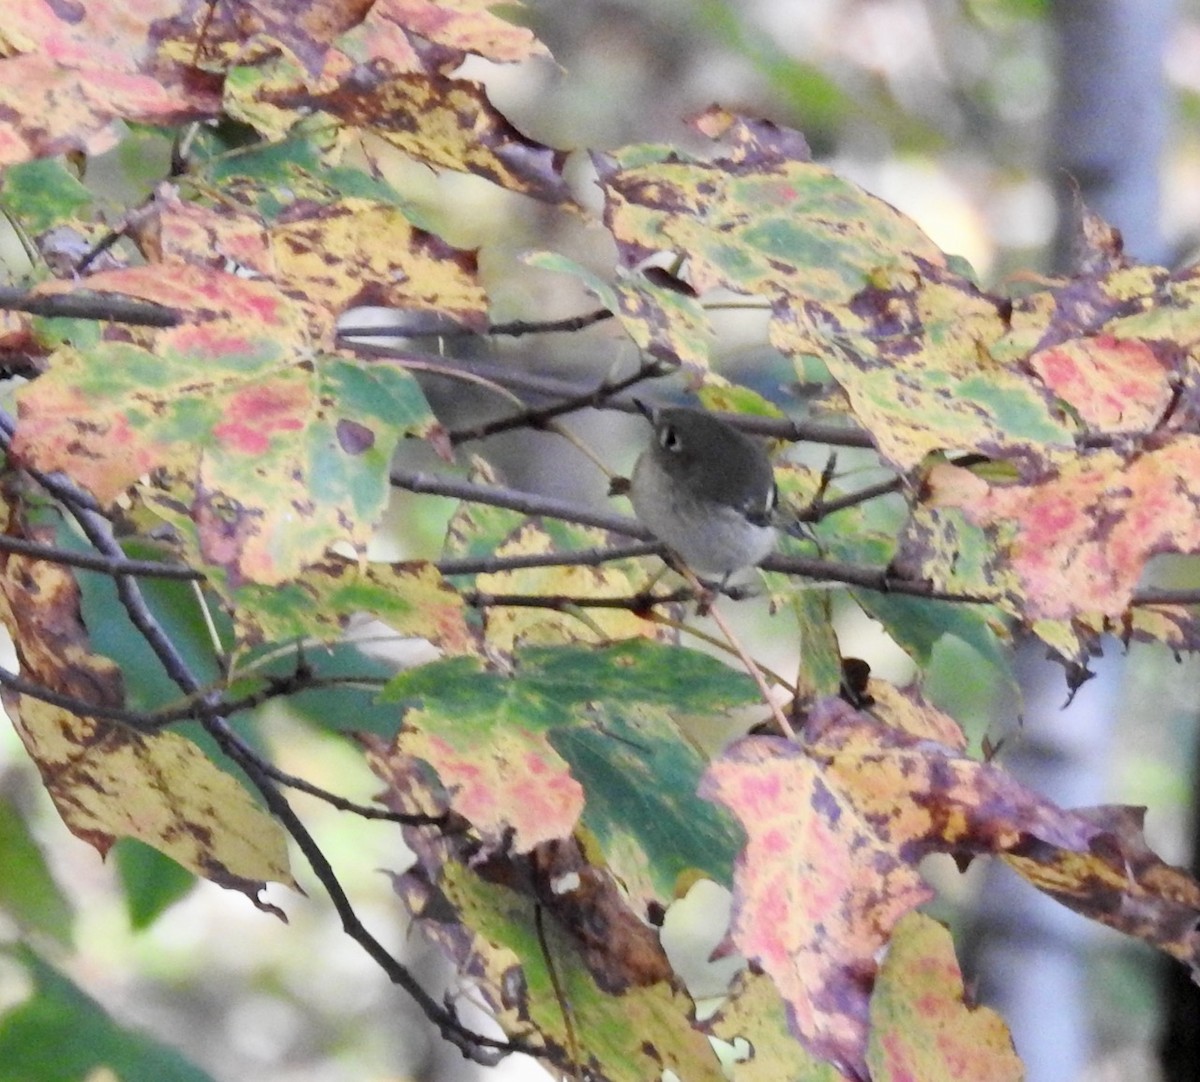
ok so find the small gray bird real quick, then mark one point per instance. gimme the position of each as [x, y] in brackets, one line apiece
[706, 490]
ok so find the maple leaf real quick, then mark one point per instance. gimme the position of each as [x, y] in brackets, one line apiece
[836, 826]
[110, 781]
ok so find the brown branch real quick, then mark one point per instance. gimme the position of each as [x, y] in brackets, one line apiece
[528, 503]
[822, 508]
[880, 579]
[557, 389]
[141, 720]
[486, 565]
[1159, 595]
[98, 531]
[85, 305]
[151, 721]
[423, 327]
[86, 561]
[538, 417]
[478, 599]
[466, 1040]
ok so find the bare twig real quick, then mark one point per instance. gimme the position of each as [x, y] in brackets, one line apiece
[454, 329]
[822, 507]
[635, 603]
[526, 502]
[557, 389]
[84, 305]
[879, 579]
[141, 720]
[485, 565]
[538, 417]
[88, 561]
[450, 1027]
[1159, 595]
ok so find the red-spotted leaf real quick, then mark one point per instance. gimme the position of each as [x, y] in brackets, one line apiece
[922, 1026]
[836, 827]
[274, 460]
[1075, 544]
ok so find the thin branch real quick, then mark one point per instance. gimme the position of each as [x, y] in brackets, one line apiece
[84, 708]
[822, 508]
[84, 305]
[150, 722]
[478, 599]
[88, 561]
[532, 417]
[1158, 595]
[98, 531]
[515, 500]
[451, 1029]
[292, 781]
[486, 565]
[879, 579]
[557, 389]
[456, 329]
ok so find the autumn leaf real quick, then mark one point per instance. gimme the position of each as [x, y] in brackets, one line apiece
[108, 780]
[754, 1013]
[506, 750]
[759, 217]
[921, 1025]
[531, 969]
[837, 825]
[274, 459]
[1076, 543]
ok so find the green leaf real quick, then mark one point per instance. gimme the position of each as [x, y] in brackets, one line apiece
[42, 194]
[550, 680]
[517, 754]
[28, 892]
[61, 1034]
[640, 778]
[151, 880]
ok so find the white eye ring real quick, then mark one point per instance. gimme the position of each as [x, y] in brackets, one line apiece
[669, 439]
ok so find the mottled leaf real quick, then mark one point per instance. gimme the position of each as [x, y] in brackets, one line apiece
[755, 1013]
[922, 1027]
[531, 969]
[274, 460]
[1076, 543]
[108, 780]
[500, 743]
[758, 218]
[836, 827]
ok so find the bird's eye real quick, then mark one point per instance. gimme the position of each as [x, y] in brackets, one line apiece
[668, 438]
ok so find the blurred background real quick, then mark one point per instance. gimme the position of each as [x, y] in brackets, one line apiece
[981, 120]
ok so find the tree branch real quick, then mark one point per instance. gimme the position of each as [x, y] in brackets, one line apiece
[635, 603]
[85, 305]
[527, 503]
[448, 1025]
[98, 531]
[486, 565]
[516, 328]
[537, 417]
[87, 561]
[880, 579]
[556, 389]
